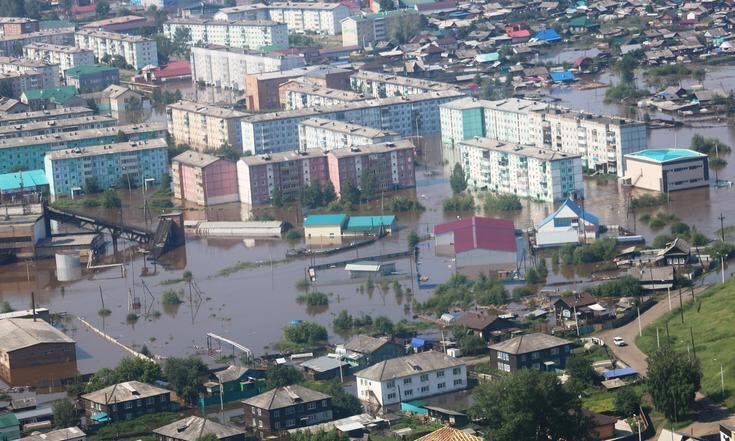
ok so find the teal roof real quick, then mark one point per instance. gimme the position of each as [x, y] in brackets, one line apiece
[368, 222]
[665, 155]
[58, 94]
[8, 420]
[485, 58]
[14, 181]
[582, 21]
[88, 69]
[314, 220]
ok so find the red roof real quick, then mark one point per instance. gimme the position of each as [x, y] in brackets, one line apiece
[523, 33]
[173, 69]
[581, 59]
[480, 232]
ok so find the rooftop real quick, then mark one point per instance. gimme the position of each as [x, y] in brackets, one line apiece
[210, 22]
[365, 344]
[113, 21]
[285, 397]
[44, 114]
[56, 435]
[401, 144]
[408, 365]
[348, 128]
[477, 320]
[240, 51]
[55, 48]
[121, 392]
[314, 220]
[323, 364]
[196, 427]
[24, 62]
[62, 125]
[88, 69]
[313, 89]
[59, 94]
[403, 81]
[209, 110]
[518, 149]
[24, 333]
[82, 134]
[665, 155]
[480, 232]
[381, 14]
[281, 5]
[42, 33]
[272, 158]
[109, 149]
[24, 179]
[524, 344]
[112, 36]
[449, 434]
[196, 159]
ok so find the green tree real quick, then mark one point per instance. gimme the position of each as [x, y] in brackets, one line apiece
[90, 185]
[413, 240]
[627, 402]
[368, 186]
[458, 180]
[185, 375]
[352, 194]
[581, 372]
[343, 321]
[328, 193]
[673, 380]
[529, 405]
[110, 199]
[278, 375]
[65, 414]
[128, 369]
[5, 307]
[277, 197]
[101, 8]
[207, 437]
[134, 110]
[472, 344]
[164, 48]
[305, 333]
[383, 325]
[181, 43]
[387, 5]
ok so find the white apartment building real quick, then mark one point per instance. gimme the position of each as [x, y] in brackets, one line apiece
[319, 17]
[601, 141]
[12, 45]
[138, 51]
[382, 85]
[529, 172]
[297, 94]
[226, 67]
[204, 127]
[327, 134]
[367, 29]
[49, 72]
[410, 378]
[65, 56]
[415, 115]
[251, 34]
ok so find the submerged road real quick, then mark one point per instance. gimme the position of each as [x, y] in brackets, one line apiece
[709, 413]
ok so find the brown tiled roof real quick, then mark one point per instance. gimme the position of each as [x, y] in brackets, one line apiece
[449, 434]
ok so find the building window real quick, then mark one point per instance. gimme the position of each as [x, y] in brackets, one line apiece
[128, 405]
[391, 396]
[408, 393]
[457, 371]
[424, 389]
[554, 351]
[390, 384]
[277, 425]
[424, 377]
[458, 382]
[324, 403]
[440, 386]
[503, 356]
[407, 380]
[311, 406]
[439, 374]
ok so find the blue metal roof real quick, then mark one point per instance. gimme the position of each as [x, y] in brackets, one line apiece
[618, 373]
[547, 35]
[25, 179]
[324, 219]
[586, 215]
[486, 58]
[418, 342]
[566, 75]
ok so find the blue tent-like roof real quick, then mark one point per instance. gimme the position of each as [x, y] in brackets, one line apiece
[586, 215]
[567, 75]
[548, 35]
[619, 373]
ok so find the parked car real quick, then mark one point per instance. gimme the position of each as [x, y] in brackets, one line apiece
[619, 341]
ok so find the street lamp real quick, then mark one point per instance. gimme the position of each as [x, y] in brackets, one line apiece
[722, 378]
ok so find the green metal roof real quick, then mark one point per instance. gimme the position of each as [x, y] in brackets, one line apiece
[58, 94]
[582, 21]
[369, 222]
[374, 15]
[314, 220]
[665, 155]
[8, 420]
[88, 69]
[14, 181]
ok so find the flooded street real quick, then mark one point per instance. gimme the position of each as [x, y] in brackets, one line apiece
[252, 306]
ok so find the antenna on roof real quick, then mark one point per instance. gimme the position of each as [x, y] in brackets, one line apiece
[33, 305]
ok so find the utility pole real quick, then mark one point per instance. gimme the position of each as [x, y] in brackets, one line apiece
[640, 329]
[722, 226]
[681, 307]
[668, 290]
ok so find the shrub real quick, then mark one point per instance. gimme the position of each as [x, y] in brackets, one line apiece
[171, 297]
[459, 202]
[501, 202]
[313, 299]
[293, 235]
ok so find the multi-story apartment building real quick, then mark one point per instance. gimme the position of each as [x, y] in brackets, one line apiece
[600, 141]
[327, 134]
[137, 51]
[296, 94]
[414, 115]
[60, 113]
[125, 401]
[227, 67]
[204, 179]
[250, 34]
[12, 45]
[40, 128]
[28, 153]
[262, 93]
[390, 164]
[526, 171]
[89, 78]
[300, 17]
[17, 26]
[34, 353]
[204, 127]
[382, 85]
[367, 29]
[16, 83]
[410, 378]
[127, 24]
[109, 164]
[65, 56]
[285, 408]
[289, 172]
[667, 170]
[49, 72]
[531, 351]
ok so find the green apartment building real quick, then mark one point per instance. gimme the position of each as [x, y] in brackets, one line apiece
[110, 165]
[28, 153]
[461, 120]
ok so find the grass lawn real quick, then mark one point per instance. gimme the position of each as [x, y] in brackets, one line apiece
[709, 317]
[419, 429]
[598, 400]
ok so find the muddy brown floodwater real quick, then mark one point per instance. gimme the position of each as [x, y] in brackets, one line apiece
[252, 306]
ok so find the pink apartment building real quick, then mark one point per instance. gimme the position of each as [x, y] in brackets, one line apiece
[391, 163]
[290, 172]
[204, 179]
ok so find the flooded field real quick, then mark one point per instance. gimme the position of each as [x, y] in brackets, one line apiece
[253, 305]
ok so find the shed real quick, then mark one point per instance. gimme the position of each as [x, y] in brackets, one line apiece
[324, 225]
[610, 374]
[368, 269]
[361, 225]
[452, 417]
[547, 35]
[325, 368]
[562, 77]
